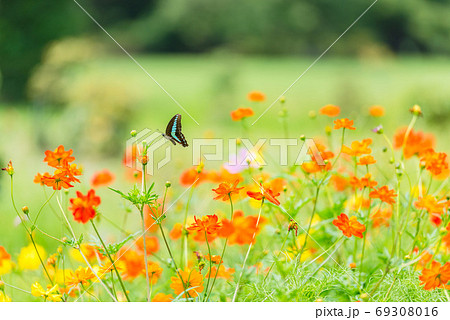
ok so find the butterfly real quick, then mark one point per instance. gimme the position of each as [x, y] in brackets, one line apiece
[173, 131]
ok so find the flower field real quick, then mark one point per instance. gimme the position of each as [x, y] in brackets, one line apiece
[364, 218]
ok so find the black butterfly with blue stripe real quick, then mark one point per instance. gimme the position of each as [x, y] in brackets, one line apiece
[173, 131]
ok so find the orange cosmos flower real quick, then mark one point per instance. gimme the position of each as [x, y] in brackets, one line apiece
[381, 217]
[376, 111]
[176, 231]
[224, 273]
[154, 271]
[417, 142]
[241, 113]
[330, 110]
[435, 162]
[384, 194]
[79, 276]
[133, 262]
[366, 160]
[209, 224]
[266, 193]
[151, 243]
[161, 297]
[343, 123]
[435, 208]
[193, 280]
[226, 189]
[364, 182]
[214, 259]
[350, 226]
[436, 277]
[84, 206]
[241, 229]
[256, 96]
[108, 267]
[102, 178]
[339, 182]
[59, 157]
[40, 179]
[357, 148]
[191, 175]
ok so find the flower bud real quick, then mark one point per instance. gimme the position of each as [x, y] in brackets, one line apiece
[312, 114]
[302, 137]
[328, 130]
[2, 285]
[201, 265]
[416, 110]
[133, 133]
[9, 168]
[378, 129]
[25, 210]
[385, 149]
[293, 226]
[364, 296]
[60, 250]
[168, 184]
[282, 99]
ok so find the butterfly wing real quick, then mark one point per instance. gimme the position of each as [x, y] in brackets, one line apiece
[173, 131]
[179, 136]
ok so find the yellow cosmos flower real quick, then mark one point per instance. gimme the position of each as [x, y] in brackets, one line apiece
[51, 293]
[4, 297]
[28, 258]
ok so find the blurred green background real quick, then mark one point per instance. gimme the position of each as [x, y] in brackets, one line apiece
[64, 81]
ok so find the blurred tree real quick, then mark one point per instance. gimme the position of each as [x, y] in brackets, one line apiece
[26, 28]
[250, 26]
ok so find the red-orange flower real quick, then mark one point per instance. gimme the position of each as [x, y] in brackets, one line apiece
[193, 283]
[59, 157]
[416, 143]
[133, 262]
[343, 123]
[364, 182]
[366, 160]
[376, 111]
[241, 229]
[381, 217]
[209, 224]
[224, 273]
[151, 242]
[339, 182]
[256, 96]
[154, 271]
[330, 110]
[350, 226]
[436, 277]
[84, 206]
[384, 194]
[241, 113]
[102, 178]
[357, 148]
[265, 193]
[226, 189]
[214, 259]
[176, 231]
[435, 162]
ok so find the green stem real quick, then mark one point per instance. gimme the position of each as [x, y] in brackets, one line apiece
[42, 207]
[248, 251]
[277, 256]
[210, 263]
[223, 250]
[111, 260]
